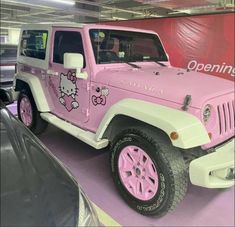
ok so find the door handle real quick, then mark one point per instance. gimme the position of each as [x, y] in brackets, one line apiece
[95, 88]
[52, 72]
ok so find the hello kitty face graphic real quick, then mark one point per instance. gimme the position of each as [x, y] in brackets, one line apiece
[104, 91]
[68, 91]
[68, 84]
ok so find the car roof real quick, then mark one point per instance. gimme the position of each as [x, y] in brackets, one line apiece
[49, 25]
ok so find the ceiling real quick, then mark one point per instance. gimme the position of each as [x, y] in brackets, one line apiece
[17, 12]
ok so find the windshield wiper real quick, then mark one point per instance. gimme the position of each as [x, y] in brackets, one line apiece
[138, 67]
[159, 63]
[133, 65]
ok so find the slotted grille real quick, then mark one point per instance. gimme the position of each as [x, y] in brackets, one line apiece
[226, 114]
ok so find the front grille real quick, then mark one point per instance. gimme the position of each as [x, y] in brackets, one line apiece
[226, 114]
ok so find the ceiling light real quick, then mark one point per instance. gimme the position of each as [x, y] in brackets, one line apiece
[10, 28]
[118, 18]
[67, 2]
[12, 22]
[180, 12]
[121, 10]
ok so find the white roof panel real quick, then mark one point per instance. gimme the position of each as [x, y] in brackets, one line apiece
[48, 25]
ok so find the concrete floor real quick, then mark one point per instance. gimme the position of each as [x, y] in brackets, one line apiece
[201, 207]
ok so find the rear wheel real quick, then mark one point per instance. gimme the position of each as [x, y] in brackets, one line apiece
[29, 114]
[148, 171]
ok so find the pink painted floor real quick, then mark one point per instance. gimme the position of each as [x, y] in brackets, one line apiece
[201, 207]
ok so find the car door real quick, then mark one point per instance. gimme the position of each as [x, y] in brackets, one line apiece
[69, 96]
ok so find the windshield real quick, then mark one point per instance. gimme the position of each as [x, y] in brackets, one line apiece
[115, 46]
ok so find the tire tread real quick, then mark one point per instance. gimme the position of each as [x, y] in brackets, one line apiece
[173, 161]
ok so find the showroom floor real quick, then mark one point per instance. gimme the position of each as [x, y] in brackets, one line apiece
[201, 207]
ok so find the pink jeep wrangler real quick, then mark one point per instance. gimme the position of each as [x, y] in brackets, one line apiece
[114, 86]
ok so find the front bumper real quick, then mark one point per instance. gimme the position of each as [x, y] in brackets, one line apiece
[214, 170]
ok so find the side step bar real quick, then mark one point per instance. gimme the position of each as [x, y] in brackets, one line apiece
[85, 136]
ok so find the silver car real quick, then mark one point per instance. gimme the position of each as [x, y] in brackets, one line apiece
[8, 54]
[36, 189]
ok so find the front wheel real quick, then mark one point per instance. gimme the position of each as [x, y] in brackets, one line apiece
[29, 114]
[149, 173]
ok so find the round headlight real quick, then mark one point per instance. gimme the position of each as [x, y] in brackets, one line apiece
[206, 113]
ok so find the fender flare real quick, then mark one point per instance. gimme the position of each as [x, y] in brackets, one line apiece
[191, 131]
[36, 89]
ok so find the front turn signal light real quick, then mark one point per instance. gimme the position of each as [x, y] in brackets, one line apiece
[174, 135]
[210, 135]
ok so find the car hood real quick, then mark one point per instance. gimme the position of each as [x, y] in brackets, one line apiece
[168, 83]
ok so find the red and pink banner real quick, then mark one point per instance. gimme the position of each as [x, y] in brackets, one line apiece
[203, 43]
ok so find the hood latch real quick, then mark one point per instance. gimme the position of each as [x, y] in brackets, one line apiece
[187, 101]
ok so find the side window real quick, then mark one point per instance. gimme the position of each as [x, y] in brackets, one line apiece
[33, 44]
[67, 42]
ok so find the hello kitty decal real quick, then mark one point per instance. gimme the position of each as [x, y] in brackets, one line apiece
[68, 91]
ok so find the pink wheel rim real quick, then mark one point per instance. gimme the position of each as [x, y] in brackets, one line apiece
[26, 111]
[138, 173]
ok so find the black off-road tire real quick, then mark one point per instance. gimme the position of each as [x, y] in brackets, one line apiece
[38, 125]
[169, 163]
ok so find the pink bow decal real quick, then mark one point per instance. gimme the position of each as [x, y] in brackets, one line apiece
[72, 77]
[98, 100]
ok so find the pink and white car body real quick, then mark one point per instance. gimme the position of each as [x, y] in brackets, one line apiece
[172, 99]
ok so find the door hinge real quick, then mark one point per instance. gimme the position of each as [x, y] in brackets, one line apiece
[86, 86]
[43, 76]
[86, 112]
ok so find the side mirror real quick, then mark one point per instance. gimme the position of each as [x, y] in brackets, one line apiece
[75, 61]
